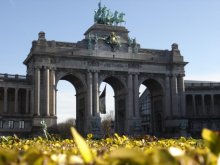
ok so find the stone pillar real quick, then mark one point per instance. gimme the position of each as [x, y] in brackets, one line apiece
[16, 101]
[89, 93]
[130, 96]
[181, 92]
[47, 91]
[53, 92]
[37, 92]
[203, 105]
[194, 105]
[167, 97]
[136, 96]
[5, 100]
[95, 94]
[32, 108]
[129, 105]
[175, 109]
[212, 105]
[27, 101]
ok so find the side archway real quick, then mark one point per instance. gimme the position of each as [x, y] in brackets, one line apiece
[80, 108]
[151, 106]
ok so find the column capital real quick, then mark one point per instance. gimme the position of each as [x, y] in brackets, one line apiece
[37, 67]
[47, 67]
[133, 73]
[174, 75]
[89, 71]
[95, 71]
[168, 75]
[52, 68]
[181, 75]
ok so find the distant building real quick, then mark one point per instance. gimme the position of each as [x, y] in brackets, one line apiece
[202, 107]
[145, 111]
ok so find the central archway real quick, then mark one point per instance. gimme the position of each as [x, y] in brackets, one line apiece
[118, 87]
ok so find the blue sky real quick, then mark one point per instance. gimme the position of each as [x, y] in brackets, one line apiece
[193, 24]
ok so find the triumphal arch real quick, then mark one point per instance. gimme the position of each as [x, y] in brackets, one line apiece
[106, 54]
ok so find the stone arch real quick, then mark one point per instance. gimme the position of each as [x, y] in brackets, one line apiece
[157, 101]
[117, 82]
[76, 79]
[79, 82]
[120, 91]
[159, 80]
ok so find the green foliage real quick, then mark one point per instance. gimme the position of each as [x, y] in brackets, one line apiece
[82, 146]
[213, 140]
[117, 150]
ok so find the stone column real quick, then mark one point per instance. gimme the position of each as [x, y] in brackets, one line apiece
[95, 94]
[53, 92]
[212, 105]
[194, 105]
[32, 107]
[203, 105]
[89, 93]
[27, 101]
[47, 91]
[136, 96]
[37, 92]
[16, 101]
[181, 91]
[130, 96]
[167, 97]
[175, 109]
[5, 100]
[129, 105]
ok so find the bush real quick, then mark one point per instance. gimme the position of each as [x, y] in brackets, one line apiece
[63, 129]
[107, 126]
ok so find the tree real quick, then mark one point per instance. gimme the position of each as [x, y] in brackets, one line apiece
[107, 126]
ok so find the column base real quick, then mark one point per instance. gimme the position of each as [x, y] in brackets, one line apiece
[176, 127]
[50, 121]
[94, 127]
[134, 127]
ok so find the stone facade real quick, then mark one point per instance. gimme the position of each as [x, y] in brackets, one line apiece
[15, 101]
[106, 54]
[202, 108]
[202, 105]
